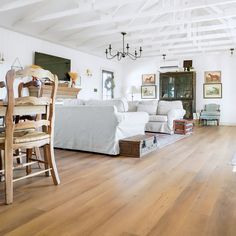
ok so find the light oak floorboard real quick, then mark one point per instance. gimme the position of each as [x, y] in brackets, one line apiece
[187, 188]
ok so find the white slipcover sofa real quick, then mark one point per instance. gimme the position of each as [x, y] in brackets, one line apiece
[161, 114]
[95, 125]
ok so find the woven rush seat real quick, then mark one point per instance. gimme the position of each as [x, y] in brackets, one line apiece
[26, 136]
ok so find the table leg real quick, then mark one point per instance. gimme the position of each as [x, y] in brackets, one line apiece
[1, 166]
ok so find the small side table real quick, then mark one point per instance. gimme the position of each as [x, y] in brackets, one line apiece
[183, 126]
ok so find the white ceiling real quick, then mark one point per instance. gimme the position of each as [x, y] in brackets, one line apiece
[172, 27]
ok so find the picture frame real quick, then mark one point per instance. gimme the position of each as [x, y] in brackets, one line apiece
[149, 79]
[148, 92]
[211, 90]
[212, 77]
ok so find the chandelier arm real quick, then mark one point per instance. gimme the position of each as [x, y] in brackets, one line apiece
[132, 57]
[111, 57]
[138, 56]
[112, 54]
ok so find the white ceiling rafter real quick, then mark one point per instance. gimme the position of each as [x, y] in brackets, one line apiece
[173, 26]
[147, 15]
[155, 25]
[85, 9]
[225, 22]
[18, 4]
[177, 33]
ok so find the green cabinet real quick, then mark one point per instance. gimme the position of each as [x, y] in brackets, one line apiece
[179, 86]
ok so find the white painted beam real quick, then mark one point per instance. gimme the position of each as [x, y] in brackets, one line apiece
[151, 14]
[18, 4]
[190, 51]
[93, 33]
[99, 42]
[190, 46]
[83, 9]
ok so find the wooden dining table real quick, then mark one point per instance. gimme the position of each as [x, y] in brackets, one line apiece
[8, 172]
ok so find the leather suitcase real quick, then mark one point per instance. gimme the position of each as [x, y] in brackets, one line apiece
[138, 145]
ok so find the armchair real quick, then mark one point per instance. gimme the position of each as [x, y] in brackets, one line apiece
[211, 112]
[167, 112]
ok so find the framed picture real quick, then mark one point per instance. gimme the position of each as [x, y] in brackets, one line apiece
[149, 79]
[148, 91]
[212, 77]
[212, 90]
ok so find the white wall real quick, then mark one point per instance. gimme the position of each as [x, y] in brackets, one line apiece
[127, 74]
[224, 62]
[14, 45]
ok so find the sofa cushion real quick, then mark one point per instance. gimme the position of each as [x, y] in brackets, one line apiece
[165, 106]
[120, 103]
[212, 107]
[158, 118]
[73, 102]
[210, 113]
[149, 102]
[149, 108]
[132, 106]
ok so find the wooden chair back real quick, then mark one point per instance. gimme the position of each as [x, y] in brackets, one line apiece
[34, 83]
[29, 104]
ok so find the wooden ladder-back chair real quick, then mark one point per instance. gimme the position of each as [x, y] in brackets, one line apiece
[37, 84]
[25, 134]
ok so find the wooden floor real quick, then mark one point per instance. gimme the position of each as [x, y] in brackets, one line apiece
[187, 188]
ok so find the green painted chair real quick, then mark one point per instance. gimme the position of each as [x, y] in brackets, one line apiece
[211, 112]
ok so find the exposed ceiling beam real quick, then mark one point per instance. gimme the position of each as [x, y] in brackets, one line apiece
[93, 34]
[191, 45]
[190, 51]
[18, 4]
[179, 40]
[83, 9]
[146, 15]
[159, 40]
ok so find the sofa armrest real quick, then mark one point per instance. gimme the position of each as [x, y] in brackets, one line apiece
[174, 114]
[132, 118]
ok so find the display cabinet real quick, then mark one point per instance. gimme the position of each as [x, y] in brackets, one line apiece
[179, 86]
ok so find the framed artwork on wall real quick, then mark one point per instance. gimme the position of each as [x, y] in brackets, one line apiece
[212, 90]
[149, 79]
[148, 91]
[212, 77]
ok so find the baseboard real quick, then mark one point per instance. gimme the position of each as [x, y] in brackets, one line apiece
[227, 124]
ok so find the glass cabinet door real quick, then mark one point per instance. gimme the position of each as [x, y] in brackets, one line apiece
[183, 85]
[168, 87]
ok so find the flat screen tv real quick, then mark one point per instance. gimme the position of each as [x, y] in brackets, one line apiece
[57, 65]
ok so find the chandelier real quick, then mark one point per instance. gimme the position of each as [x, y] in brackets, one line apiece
[125, 52]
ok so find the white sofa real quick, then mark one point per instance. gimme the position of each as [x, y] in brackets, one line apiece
[96, 126]
[161, 114]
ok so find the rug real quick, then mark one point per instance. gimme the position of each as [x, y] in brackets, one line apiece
[167, 139]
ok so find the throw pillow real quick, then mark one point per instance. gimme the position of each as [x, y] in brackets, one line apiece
[149, 108]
